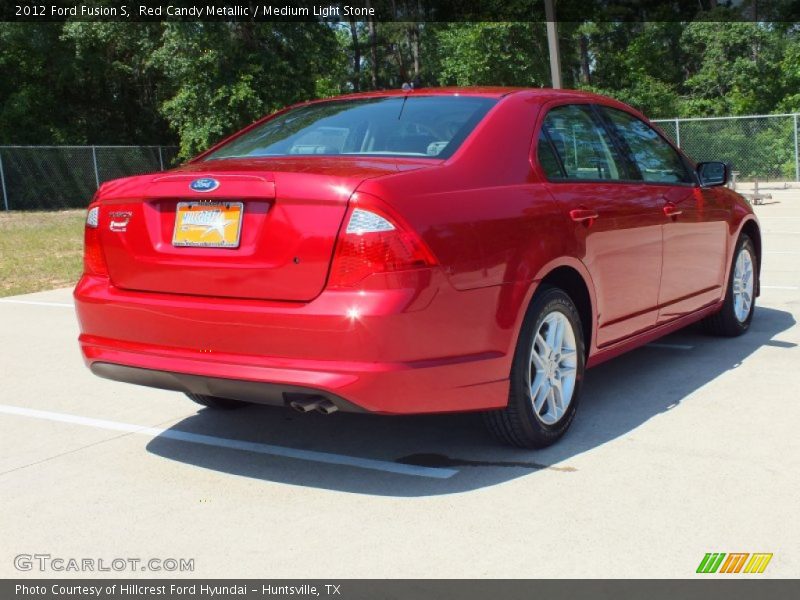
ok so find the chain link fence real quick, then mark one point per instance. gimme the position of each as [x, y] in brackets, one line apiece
[760, 147]
[53, 177]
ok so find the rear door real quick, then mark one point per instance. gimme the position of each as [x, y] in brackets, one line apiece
[615, 220]
[695, 234]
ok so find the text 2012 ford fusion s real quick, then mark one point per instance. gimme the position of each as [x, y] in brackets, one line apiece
[415, 251]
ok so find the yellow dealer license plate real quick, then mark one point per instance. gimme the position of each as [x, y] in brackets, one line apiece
[208, 224]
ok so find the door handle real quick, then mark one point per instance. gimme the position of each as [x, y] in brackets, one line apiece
[671, 210]
[579, 215]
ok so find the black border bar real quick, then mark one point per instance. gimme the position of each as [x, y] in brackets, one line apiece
[711, 588]
[399, 10]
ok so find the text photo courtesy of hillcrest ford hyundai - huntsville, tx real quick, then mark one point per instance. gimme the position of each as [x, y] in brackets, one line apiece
[437, 300]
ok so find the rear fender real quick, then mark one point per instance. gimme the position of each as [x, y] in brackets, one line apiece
[516, 298]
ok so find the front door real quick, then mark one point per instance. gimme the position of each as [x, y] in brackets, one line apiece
[694, 219]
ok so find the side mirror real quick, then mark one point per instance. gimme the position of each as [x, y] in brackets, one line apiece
[712, 174]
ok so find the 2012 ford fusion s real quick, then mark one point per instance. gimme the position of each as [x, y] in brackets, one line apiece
[417, 251]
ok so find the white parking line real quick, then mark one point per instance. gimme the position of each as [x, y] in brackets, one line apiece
[36, 303]
[209, 440]
[780, 287]
[671, 346]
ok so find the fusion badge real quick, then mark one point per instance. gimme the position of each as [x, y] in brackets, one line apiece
[119, 220]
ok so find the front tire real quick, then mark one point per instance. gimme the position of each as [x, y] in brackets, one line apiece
[215, 402]
[546, 374]
[740, 296]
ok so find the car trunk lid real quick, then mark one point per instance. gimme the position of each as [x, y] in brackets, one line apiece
[291, 211]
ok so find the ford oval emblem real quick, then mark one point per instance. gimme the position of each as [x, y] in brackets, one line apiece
[206, 184]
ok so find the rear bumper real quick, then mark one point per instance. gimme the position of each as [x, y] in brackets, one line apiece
[249, 391]
[417, 347]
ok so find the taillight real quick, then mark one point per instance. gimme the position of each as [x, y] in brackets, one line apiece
[375, 242]
[94, 263]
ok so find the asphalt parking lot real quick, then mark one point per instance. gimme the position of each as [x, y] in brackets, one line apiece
[683, 447]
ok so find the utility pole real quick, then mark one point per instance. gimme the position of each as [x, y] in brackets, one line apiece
[552, 43]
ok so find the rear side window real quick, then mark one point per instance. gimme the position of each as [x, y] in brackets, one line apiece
[583, 145]
[655, 159]
[547, 158]
[424, 126]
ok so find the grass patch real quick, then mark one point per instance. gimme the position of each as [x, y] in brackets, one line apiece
[40, 250]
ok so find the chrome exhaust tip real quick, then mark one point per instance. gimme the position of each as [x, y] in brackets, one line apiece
[304, 405]
[326, 407]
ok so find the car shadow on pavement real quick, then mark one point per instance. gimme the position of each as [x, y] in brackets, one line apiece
[618, 396]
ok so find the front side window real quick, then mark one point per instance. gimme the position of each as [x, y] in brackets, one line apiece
[585, 149]
[656, 160]
[422, 126]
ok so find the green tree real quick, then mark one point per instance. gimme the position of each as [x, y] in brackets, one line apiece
[492, 54]
[36, 76]
[732, 68]
[117, 91]
[225, 75]
[193, 83]
[637, 63]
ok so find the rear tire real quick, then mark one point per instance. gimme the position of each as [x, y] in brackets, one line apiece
[546, 374]
[737, 310]
[216, 403]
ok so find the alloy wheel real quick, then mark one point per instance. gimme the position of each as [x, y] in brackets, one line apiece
[743, 285]
[553, 368]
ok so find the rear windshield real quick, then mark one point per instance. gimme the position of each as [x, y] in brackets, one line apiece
[426, 126]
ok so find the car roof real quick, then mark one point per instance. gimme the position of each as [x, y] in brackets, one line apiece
[484, 91]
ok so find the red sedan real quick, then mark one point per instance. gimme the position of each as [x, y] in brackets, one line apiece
[417, 251]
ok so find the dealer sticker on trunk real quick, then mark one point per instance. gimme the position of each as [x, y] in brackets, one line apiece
[208, 224]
